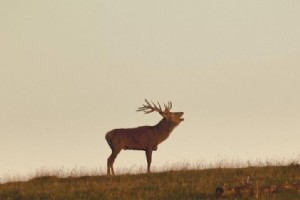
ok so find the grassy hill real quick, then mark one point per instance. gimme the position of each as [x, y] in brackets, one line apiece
[181, 184]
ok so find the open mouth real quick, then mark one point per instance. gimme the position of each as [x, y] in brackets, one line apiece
[181, 119]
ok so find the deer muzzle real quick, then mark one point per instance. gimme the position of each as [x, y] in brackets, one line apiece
[180, 115]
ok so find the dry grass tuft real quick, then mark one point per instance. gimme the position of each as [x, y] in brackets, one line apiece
[171, 184]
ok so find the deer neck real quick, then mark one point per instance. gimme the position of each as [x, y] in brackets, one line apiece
[164, 128]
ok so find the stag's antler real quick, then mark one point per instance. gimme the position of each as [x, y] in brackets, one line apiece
[168, 106]
[151, 107]
[148, 108]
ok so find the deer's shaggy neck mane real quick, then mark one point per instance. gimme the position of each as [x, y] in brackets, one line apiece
[164, 128]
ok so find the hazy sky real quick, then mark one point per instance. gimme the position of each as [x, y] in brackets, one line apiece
[72, 70]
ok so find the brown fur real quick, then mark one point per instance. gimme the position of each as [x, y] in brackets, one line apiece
[145, 138]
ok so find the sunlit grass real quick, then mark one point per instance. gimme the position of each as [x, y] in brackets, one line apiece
[79, 171]
[173, 181]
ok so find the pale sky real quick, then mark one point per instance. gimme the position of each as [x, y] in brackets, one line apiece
[70, 71]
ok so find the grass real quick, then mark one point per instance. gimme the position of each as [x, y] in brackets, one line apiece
[179, 184]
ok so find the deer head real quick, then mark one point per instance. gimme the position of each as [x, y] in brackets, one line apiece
[175, 117]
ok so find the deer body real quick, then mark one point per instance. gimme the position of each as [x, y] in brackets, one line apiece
[145, 138]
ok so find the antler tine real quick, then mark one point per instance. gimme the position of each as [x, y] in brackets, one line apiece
[159, 106]
[158, 109]
[168, 106]
[148, 108]
[144, 108]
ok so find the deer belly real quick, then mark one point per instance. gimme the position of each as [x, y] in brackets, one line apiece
[134, 146]
[135, 142]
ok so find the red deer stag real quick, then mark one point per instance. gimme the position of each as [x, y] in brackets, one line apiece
[145, 138]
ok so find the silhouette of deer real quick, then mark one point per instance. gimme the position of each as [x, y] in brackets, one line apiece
[145, 138]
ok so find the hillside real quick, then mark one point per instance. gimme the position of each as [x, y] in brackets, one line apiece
[182, 184]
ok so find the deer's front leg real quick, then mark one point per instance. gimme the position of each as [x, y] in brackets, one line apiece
[149, 159]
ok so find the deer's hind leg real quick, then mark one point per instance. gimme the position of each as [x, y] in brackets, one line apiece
[111, 160]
